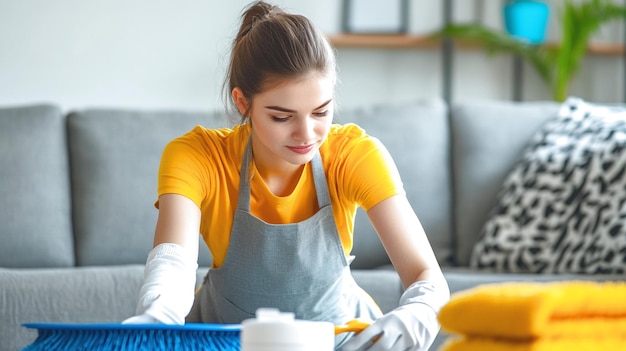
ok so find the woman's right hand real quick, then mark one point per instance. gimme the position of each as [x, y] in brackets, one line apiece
[167, 293]
[141, 319]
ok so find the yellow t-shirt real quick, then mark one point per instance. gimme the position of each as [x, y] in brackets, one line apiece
[204, 166]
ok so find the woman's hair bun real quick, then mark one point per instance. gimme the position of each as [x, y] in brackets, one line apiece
[257, 11]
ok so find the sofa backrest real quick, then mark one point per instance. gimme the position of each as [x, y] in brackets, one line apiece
[35, 217]
[95, 207]
[416, 135]
[488, 139]
[115, 157]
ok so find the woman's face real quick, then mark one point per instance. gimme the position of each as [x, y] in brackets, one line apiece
[291, 120]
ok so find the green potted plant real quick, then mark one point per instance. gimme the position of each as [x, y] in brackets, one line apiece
[556, 64]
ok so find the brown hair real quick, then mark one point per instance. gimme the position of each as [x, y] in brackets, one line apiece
[273, 45]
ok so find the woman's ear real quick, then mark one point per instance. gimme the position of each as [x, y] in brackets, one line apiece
[240, 101]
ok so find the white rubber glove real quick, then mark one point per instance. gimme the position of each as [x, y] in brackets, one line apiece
[412, 326]
[168, 290]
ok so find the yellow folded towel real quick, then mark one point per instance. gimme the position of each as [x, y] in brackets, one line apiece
[541, 344]
[525, 311]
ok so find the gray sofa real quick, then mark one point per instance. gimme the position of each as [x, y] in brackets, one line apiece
[77, 191]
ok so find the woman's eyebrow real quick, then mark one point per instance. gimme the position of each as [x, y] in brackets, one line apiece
[323, 105]
[283, 109]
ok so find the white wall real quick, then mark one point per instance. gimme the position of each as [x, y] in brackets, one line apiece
[172, 54]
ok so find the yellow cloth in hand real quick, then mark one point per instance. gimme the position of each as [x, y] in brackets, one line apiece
[522, 310]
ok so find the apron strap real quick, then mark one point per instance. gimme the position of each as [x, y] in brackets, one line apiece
[319, 177]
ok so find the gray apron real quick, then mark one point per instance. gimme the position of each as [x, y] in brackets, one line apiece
[299, 267]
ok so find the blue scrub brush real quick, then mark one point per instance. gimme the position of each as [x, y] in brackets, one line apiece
[135, 337]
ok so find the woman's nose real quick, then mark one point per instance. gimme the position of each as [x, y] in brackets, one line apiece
[305, 129]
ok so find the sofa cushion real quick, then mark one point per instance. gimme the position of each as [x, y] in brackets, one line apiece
[416, 135]
[488, 139]
[561, 209]
[115, 159]
[35, 220]
[61, 295]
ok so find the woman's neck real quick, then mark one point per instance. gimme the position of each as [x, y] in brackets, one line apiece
[280, 176]
[280, 181]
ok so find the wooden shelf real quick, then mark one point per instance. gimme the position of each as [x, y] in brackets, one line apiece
[387, 41]
[606, 49]
[407, 41]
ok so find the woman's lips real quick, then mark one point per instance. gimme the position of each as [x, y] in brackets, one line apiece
[301, 149]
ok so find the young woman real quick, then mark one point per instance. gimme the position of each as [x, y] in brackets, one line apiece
[275, 198]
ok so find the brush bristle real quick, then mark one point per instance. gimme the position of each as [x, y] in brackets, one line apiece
[135, 340]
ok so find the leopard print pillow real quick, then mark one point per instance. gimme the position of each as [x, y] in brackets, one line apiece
[562, 209]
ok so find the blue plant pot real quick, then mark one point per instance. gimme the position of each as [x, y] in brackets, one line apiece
[527, 20]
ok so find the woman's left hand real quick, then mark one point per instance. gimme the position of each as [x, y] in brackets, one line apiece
[409, 327]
